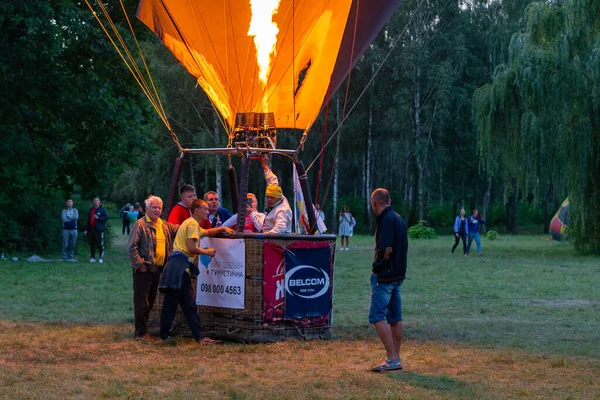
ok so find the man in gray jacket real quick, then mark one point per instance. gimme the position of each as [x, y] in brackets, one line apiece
[69, 217]
[150, 243]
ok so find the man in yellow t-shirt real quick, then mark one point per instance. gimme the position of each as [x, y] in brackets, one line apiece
[175, 282]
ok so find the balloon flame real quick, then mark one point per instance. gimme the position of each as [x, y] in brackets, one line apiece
[265, 33]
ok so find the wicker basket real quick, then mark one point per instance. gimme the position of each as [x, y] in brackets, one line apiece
[247, 325]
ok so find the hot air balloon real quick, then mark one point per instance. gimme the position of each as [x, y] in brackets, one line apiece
[267, 56]
[559, 223]
[264, 65]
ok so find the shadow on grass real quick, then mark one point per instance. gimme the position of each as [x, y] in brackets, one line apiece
[443, 383]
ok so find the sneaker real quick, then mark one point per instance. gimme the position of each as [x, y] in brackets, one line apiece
[72, 260]
[101, 261]
[92, 260]
[167, 339]
[480, 254]
[144, 338]
[388, 365]
[208, 341]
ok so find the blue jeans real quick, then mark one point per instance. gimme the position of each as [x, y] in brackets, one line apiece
[477, 241]
[386, 301]
[68, 243]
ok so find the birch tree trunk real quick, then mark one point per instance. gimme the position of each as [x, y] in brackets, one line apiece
[369, 157]
[486, 204]
[418, 129]
[364, 189]
[513, 214]
[407, 184]
[192, 173]
[391, 165]
[441, 188]
[547, 211]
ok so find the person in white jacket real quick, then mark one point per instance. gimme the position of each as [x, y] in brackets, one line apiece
[278, 215]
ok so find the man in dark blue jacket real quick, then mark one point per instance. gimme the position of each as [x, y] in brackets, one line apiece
[389, 271]
[96, 224]
[216, 214]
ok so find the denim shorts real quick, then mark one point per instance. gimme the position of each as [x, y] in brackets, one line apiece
[386, 301]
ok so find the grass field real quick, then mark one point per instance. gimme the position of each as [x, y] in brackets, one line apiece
[523, 321]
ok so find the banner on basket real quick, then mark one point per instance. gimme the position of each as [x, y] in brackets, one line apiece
[308, 280]
[273, 283]
[221, 279]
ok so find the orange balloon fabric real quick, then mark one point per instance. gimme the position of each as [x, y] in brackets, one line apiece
[210, 38]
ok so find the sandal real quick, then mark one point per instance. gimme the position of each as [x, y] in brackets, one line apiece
[388, 365]
[208, 341]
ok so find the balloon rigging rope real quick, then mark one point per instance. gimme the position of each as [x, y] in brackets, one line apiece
[337, 150]
[143, 61]
[293, 59]
[323, 143]
[127, 57]
[345, 116]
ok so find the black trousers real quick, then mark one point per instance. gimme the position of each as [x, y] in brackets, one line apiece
[145, 286]
[96, 240]
[125, 226]
[185, 298]
[462, 236]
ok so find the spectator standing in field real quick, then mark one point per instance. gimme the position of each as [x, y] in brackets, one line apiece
[150, 243]
[124, 214]
[388, 273]
[277, 218]
[216, 214]
[473, 223]
[69, 217]
[134, 214]
[181, 211]
[346, 229]
[96, 224]
[320, 215]
[175, 282]
[460, 231]
[142, 210]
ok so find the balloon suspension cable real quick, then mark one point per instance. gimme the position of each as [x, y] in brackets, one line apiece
[293, 69]
[389, 53]
[320, 174]
[337, 150]
[148, 89]
[176, 140]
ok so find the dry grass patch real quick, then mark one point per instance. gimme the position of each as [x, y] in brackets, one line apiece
[75, 361]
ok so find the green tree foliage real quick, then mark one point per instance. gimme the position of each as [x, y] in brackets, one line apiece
[539, 121]
[69, 116]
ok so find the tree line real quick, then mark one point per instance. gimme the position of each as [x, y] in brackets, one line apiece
[484, 103]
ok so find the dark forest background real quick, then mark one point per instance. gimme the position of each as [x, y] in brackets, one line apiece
[492, 104]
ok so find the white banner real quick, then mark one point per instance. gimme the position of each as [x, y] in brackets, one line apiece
[221, 280]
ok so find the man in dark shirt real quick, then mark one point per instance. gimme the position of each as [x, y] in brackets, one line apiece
[389, 271]
[94, 230]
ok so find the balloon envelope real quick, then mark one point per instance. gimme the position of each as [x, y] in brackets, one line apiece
[316, 44]
[560, 222]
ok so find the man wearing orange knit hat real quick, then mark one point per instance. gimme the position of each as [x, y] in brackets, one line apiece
[278, 215]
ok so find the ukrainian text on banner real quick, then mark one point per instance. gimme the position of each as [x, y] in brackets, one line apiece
[308, 280]
[273, 283]
[221, 279]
